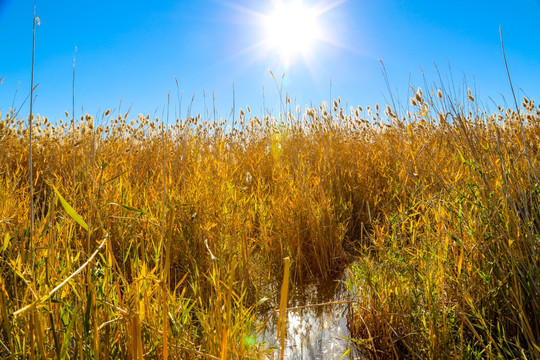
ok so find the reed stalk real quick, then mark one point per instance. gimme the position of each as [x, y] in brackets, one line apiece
[282, 323]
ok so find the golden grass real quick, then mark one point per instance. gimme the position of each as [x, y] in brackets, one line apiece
[441, 205]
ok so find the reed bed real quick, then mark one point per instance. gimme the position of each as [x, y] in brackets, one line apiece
[156, 240]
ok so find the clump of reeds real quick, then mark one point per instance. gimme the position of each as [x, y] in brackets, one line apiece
[451, 269]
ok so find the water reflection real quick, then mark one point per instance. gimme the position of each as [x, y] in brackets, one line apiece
[314, 331]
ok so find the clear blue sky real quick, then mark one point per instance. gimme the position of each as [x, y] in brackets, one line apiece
[132, 50]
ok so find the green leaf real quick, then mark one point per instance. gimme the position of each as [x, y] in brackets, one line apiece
[114, 177]
[6, 242]
[67, 339]
[345, 353]
[71, 212]
[130, 208]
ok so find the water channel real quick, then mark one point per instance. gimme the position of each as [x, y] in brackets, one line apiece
[316, 323]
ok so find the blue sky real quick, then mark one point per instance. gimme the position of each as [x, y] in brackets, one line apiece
[133, 50]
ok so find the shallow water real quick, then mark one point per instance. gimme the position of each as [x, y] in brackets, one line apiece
[314, 332]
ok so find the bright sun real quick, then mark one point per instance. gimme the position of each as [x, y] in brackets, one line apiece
[291, 29]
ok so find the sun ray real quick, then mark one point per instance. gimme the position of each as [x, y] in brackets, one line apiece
[292, 28]
[291, 32]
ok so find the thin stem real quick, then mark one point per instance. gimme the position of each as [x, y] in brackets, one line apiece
[73, 121]
[31, 245]
[234, 103]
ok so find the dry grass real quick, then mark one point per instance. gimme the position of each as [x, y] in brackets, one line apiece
[441, 205]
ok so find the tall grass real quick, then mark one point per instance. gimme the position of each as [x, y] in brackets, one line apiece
[189, 224]
[451, 269]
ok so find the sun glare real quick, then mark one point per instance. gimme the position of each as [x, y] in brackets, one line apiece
[291, 30]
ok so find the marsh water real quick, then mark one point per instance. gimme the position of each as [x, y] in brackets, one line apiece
[316, 323]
